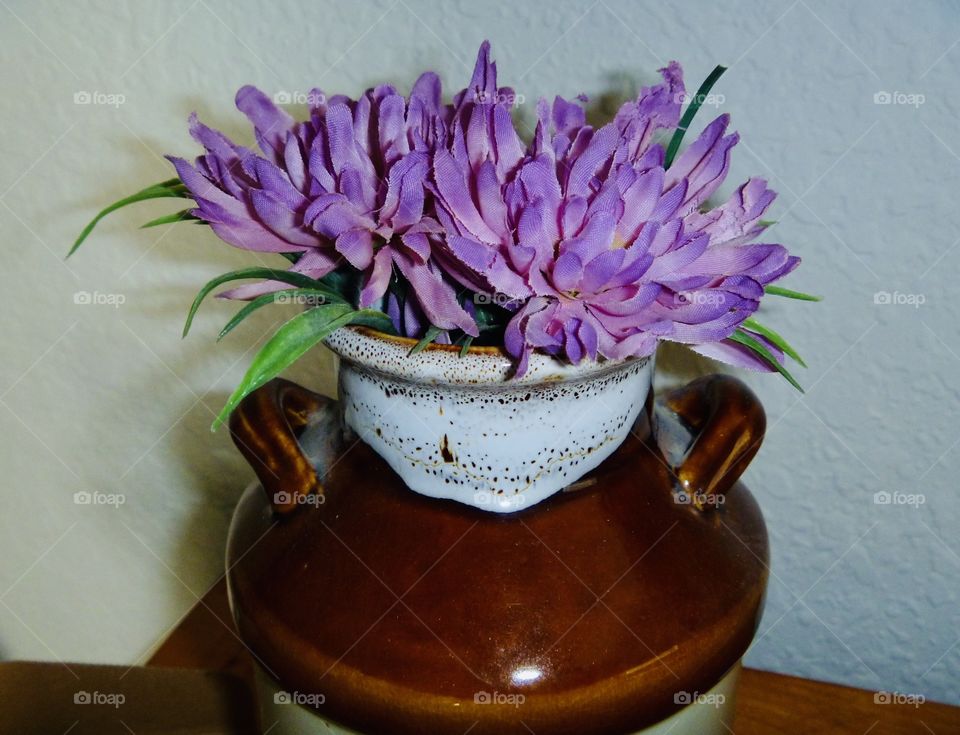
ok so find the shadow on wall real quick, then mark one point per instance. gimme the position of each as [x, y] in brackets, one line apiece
[221, 475]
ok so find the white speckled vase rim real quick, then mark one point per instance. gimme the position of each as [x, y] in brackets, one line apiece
[442, 364]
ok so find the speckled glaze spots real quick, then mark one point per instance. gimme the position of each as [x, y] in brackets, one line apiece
[461, 428]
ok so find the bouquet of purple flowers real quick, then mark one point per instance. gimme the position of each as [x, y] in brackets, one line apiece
[438, 222]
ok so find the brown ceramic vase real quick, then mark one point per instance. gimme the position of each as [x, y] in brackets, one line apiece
[622, 604]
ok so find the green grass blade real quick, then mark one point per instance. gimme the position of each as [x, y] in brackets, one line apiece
[432, 333]
[287, 295]
[490, 316]
[169, 188]
[758, 347]
[754, 326]
[687, 118]
[294, 279]
[786, 292]
[375, 320]
[288, 344]
[467, 341]
[169, 219]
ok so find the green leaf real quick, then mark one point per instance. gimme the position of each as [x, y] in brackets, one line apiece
[375, 320]
[169, 188]
[490, 316]
[288, 344]
[786, 292]
[758, 347]
[288, 295]
[467, 341]
[169, 219]
[754, 326]
[432, 333]
[294, 279]
[767, 222]
[691, 110]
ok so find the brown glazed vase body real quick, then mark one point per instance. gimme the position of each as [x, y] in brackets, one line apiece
[606, 608]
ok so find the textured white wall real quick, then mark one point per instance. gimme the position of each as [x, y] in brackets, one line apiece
[108, 399]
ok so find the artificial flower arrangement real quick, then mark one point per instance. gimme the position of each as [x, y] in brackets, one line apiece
[437, 222]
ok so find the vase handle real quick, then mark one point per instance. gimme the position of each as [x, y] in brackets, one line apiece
[727, 422]
[266, 427]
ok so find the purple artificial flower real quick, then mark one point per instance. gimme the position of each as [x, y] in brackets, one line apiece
[607, 251]
[470, 164]
[596, 248]
[345, 185]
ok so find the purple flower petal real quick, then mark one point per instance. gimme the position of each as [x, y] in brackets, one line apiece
[704, 164]
[270, 123]
[378, 278]
[601, 269]
[357, 247]
[436, 298]
[287, 224]
[456, 197]
[736, 354]
[567, 272]
[403, 206]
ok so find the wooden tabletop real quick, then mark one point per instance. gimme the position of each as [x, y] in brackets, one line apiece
[767, 703]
